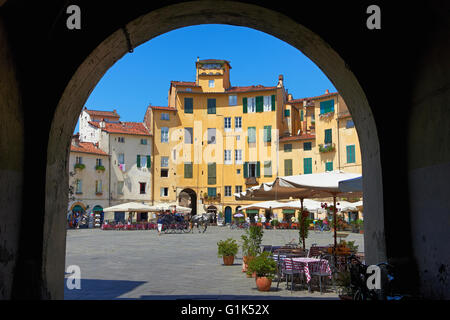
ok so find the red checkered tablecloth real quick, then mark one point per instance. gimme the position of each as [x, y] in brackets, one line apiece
[312, 265]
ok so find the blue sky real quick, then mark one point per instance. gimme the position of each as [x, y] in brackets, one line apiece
[144, 76]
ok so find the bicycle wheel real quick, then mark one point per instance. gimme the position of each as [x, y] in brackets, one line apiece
[359, 295]
[317, 229]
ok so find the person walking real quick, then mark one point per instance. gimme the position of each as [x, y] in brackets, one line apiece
[160, 222]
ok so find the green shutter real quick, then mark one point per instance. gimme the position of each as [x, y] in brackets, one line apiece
[211, 106]
[259, 104]
[329, 166]
[351, 154]
[288, 167]
[326, 106]
[188, 170]
[273, 102]
[267, 133]
[301, 115]
[258, 169]
[188, 105]
[148, 162]
[138, 161]
[244, 104]
[212, 173]
[307, 165]
[328, 136]
[245, 169]
[251, 134]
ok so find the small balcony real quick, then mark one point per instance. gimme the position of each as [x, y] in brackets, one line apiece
[328, 147]
[211, 199]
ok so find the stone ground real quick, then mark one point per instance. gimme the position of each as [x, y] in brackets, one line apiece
[142, 265]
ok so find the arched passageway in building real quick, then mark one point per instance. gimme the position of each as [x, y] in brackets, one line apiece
[191, 195]
[75, 61]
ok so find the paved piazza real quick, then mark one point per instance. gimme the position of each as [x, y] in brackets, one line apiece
[142, 265]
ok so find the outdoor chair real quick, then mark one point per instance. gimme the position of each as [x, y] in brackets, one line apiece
[266, 248]
[316, 251]
[316, 271]
[290, 268]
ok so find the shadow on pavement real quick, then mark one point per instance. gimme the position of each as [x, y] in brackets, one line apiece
[94, 289]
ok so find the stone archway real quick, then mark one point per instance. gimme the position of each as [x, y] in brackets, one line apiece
[188, 197]
[191, 13]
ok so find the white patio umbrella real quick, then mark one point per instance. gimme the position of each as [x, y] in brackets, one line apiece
[129, 207]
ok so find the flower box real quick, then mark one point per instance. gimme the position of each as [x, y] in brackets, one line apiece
[80, 166]
[100, 168]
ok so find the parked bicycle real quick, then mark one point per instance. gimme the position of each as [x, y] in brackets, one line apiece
[243, 225]
[321, 228]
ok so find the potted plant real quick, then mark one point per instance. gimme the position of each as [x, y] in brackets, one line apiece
[251, 244]
[343, 283]
[227, 249]
[100, 168]
[80, 166]
[274, 223]
[265, 269]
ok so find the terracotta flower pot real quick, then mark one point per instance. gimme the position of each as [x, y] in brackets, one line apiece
[228, 260]
[263, 283]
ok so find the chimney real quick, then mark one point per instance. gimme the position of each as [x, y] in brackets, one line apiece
[327, 91]
[289, 96]
[102, 123]
[280, 81]
[76, 140]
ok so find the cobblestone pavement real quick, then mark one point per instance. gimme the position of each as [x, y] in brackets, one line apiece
[142, 265]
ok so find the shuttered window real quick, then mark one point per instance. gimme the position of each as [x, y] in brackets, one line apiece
[259, 104]
[251, 134]
[273, 102]
[212, 173]
[351, 154]
[288, 167]
[307, 146]
[326, 106]
[307, 165]
[188, 170]
[148, 162]
[329, 166]
[287, 147]
[212, 192]
[267, 168]
[267, 133]
[244, 105]
[211, 106]
[188, 105]
[328, 136]
[138, 161]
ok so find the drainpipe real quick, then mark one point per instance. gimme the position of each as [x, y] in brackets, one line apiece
[338, 146]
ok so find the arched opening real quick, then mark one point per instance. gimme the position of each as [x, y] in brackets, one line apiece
[191, 13]
[188, 198]
[228, 214]
[212, 212]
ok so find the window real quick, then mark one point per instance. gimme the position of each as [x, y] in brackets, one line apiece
[164, 162]
[164, 134]
[251, 106]
[227, 123]
[288, 147]
[227, 157]
[164, 192]
[238, 123]
[121, 158]
[188, 170]
[259, 103]
[211, 83]
[142, 187]
[329, 166]
[212, 192]
[98, 162]
[98, 186]
[211, 135]
[267, 103]
[287, 113]
[121, 139]
[143, 161]
[267, 168]
[164, 116]
[188, 105]
[326, 106]
[251, 134]
[211, 106]
[351, 154]
[288, 167]
[307, 165]
[188, 89]
[238, 171]
[238, 156]
[120, 187]
[349, 124]
[328, 136]
[227, 191]
[144, 141]
[212, 173]
[238, 189]
[301, 115]
[251, 169]
[307, 146]
[164, 173]
[238, 138]
[232, 100]
[267, 133]
[188, 133]
[78, 188]
[79, 160]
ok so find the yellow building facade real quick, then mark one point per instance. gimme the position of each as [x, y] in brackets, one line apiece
[214, 139]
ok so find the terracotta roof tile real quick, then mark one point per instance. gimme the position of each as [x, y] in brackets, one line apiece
[249, 88]
[87, 147]
[134, 128]
[99, 113]
[300, 137]
[184, 83]
[313, 98]
[163, 108]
